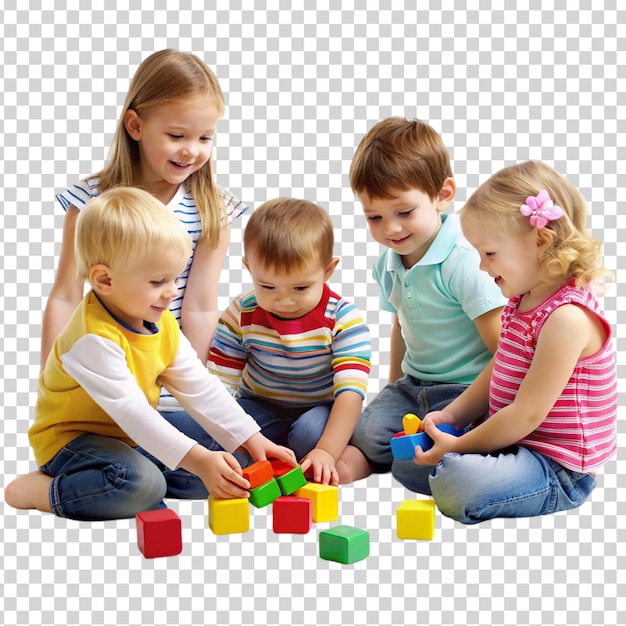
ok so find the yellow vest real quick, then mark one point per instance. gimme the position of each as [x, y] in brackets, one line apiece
[64, 410]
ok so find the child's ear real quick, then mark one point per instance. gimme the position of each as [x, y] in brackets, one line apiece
[245, 263]
[545, 237]
[330, 268]
[100, 279]
[446, 194]
[132, 124]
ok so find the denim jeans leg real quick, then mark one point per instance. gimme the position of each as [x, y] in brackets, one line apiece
[382, 418]
[412, 476]
[516, 482]
[307, 430]
[101, 478]
[274, 421]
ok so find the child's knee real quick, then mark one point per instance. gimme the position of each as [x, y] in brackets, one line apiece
[451, 487]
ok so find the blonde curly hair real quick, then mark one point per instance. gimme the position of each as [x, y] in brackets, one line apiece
[571, 252]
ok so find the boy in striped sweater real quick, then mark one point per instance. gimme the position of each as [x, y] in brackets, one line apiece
[295, 354]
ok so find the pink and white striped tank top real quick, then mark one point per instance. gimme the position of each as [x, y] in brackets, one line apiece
[580, 430]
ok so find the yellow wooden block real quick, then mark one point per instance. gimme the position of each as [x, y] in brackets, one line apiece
[325, 501]
[411, 424]
[415, 519]
[229, 516]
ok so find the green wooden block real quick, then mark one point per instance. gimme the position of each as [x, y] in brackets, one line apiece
[291, 481]
[344, 544]
[265, 494]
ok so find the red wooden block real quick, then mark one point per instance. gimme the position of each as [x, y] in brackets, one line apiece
[258, 473]
[292, 514]
[159, 533]
[280, 467]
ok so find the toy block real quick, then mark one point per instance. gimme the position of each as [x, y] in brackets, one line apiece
[258, 473]
[403, 447]
[344, 544]
[411, 424]
[325, 499]
[280, 467]
[415, 519]
[291, 514]
[159, 533]
[291, 481]
[229, 516]
[265, 494]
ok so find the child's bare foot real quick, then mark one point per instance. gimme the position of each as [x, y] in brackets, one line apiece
[30, 491]
[352, 465]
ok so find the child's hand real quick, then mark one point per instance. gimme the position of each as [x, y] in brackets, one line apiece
[321, 465]
[443, 443]
[222, 476]
[439, 417]
[261, 448]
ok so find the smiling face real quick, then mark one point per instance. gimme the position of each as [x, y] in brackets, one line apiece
[289, 294]
[175, 139]
[143, 291]
[513, 261]
[407, 222]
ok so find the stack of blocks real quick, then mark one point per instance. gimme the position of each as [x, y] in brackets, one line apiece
[270, 481]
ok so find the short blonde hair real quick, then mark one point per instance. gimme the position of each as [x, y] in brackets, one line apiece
[287, 233]
[120, 227]
[572, 253]
[400, 154]
[163, 77]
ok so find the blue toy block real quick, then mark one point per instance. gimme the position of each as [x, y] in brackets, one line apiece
[403, 447]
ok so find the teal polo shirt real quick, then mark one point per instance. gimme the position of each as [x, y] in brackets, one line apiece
[436, 302]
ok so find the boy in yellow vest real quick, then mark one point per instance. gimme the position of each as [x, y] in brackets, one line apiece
[103, 450]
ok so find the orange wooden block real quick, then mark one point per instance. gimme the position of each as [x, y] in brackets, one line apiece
[258, 473]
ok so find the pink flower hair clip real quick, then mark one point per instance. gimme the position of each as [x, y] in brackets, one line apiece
[540, 209]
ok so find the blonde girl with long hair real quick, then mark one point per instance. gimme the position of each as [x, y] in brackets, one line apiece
[162, 144]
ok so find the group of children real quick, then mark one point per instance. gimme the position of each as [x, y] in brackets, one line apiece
[496, 329]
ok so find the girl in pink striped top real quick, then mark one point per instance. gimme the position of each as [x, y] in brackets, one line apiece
[541, 418]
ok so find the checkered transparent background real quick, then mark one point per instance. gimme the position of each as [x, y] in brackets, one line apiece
[304, 81]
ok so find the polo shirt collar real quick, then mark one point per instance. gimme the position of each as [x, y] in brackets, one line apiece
[439, 249]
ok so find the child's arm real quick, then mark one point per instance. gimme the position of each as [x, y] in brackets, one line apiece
[488, 326]
[342, 421]
[471, 405]
[397, 350]
[199, 313]
[67, 291]
[566, 335]
[352, 351]
[227, 356]
[99, 367]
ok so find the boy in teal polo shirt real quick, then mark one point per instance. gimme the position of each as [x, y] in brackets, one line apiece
[446, 310]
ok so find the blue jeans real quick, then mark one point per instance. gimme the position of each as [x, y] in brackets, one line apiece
[516, 482]
[382, 418]
[294, 427]
[100, 478]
